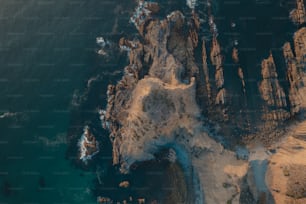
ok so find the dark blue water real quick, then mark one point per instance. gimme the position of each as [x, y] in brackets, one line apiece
[47, 54]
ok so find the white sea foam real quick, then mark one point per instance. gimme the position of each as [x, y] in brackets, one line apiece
[102, 42]
[191, 3]
[105, 124]
[92, 80]
[60, 139]
[140, 14]
[7, 115]
[78, 98]
[82, 148]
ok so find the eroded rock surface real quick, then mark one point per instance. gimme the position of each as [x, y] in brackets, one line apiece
[161, 104]
[159, 109]
[298, 15]
[272, 92]
[161, 98]
[286, 172]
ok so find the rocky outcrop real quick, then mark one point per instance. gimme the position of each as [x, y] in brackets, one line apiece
[159, 109]
[124, 184]
[235, 57]
[206, 73]
[143, 13]
[194, 29]
[155, 106]
[88, 145]
[300, 46]
[300, 52]
[270, 88]
[294, 78]
[104, 200]
[298, 15]
[119, 96]
[272, 92]
[283, 100]
[137, 108]
[217, 60]
[241, 76]
[286, 177]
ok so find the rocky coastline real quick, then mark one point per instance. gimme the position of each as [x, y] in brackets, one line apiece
[162, 97]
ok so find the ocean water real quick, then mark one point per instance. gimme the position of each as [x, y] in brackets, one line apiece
[52, 82]
[47, 55]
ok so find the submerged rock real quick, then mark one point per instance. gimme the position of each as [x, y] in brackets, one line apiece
[124, 184]
[104, 200]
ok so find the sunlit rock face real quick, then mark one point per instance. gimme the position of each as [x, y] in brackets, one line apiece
[88, 145]
[298, 14]
[166, 99]
[159, 113]
[286, 176]
[157, 108]
[161, 107]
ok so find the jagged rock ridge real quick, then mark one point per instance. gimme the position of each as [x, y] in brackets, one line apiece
[159, 107]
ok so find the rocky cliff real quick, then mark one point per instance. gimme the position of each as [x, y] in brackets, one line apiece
[298, 15]
[272, 92]
[143, 109]
[167, 99]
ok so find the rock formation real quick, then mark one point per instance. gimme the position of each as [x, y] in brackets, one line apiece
[157, 105]
[124, 184]
[160, 110]
[241, 76]
[88, 145]
[286, 176]
[299, 46]
[294, 78]
[235, 57]
[270, 88]
[298, 15]
[206, 72]
[272, 93]
[300, 50]
[143, 13]
[217, 60]
[161, 100]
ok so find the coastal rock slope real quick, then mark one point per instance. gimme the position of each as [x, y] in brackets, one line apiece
[150, 111]
[158, 109]
[165, 99]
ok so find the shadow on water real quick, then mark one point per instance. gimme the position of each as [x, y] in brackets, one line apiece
[157, 181]
[259, 169]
